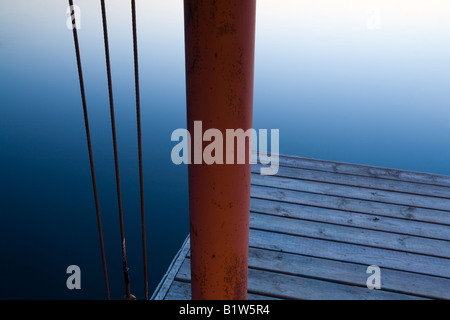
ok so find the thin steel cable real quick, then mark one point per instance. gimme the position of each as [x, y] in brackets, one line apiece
[138, 117]
[88, 137]
[116, 160]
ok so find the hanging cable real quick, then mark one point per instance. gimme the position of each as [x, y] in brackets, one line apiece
[88, 137]
[138, 117]
[128, 296]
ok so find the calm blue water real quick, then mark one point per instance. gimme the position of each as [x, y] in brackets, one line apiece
[343, 81]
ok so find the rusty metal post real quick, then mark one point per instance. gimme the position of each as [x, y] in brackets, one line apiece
[220, 41]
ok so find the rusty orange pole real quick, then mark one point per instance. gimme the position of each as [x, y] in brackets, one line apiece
[220, 42]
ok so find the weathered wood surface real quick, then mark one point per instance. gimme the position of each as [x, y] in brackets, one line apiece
[316, 226]
[363, 170]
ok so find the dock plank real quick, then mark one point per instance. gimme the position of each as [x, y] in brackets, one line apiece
[360, 181]
[346, 272]
[301, 288]
[350, 252]
[352, 192]
[363, 170]
[350, 273]
[352, 205]
[167, 280]
[379, 239]
[352, 219]
[317, 225]
[181, 290]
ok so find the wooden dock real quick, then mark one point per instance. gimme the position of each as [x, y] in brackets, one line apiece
[317, 225]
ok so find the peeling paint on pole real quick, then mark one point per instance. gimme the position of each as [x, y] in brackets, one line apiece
[220, 42]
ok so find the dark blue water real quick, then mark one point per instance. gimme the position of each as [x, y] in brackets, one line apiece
[336, 87]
